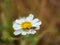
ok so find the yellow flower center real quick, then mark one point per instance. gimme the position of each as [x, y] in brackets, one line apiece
[26, 25]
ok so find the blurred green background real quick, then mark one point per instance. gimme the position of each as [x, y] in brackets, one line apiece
[48, 11]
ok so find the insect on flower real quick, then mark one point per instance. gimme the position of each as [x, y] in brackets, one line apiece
[26, 25]
[29, 28]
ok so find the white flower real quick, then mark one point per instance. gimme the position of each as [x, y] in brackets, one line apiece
[26, 25]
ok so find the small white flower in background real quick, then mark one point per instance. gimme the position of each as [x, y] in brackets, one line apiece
[26, 25]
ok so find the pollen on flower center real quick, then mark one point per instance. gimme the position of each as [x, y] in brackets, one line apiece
[26, 25]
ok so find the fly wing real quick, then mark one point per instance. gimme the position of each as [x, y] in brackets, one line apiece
[25, 29]
[33, 27]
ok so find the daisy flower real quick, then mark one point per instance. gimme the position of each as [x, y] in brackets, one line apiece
[26, 25]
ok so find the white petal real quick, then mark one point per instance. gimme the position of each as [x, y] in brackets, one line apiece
[17, 32]
[19, 21]
[33, 32]
[37, 24]
[28, 32]
[35, 20]
[30, 17]
[23, 33]
[37, 27]
[16, 26]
